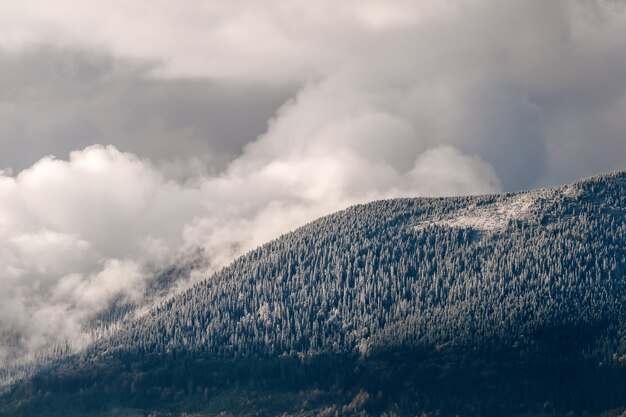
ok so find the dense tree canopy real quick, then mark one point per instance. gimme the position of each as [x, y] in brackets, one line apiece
[527, 277]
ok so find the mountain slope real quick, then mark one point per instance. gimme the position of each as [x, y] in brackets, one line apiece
[490, 305]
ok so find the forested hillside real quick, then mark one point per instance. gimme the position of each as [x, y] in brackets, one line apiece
[510, 304]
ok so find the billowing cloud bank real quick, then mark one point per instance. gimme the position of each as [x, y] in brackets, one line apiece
[379, 99]
[81, 233]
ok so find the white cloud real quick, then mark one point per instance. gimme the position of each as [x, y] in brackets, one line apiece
[278, 38]
[78, 234]
[295, 40]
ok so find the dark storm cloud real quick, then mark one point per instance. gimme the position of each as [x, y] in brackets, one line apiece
[507, 131]
[55, 100]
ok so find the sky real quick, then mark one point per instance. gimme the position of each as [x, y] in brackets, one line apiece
[133, 134]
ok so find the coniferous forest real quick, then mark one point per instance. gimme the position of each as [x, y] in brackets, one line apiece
[497, 305]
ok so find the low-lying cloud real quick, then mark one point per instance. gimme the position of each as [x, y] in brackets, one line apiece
[81, 233]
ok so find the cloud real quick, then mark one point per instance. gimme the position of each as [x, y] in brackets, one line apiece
[54, 100]
[82, 233]
[189, 85]
[280, 39]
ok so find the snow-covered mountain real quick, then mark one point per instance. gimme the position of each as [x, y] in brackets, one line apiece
[510, 304]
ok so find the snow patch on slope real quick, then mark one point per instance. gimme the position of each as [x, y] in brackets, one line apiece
[491, 217]
[571, 191]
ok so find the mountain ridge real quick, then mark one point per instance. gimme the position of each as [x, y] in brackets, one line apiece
[534, 279]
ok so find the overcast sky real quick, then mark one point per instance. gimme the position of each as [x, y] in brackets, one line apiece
[132, 133]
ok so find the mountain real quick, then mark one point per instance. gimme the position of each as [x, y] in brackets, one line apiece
[497, 305]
